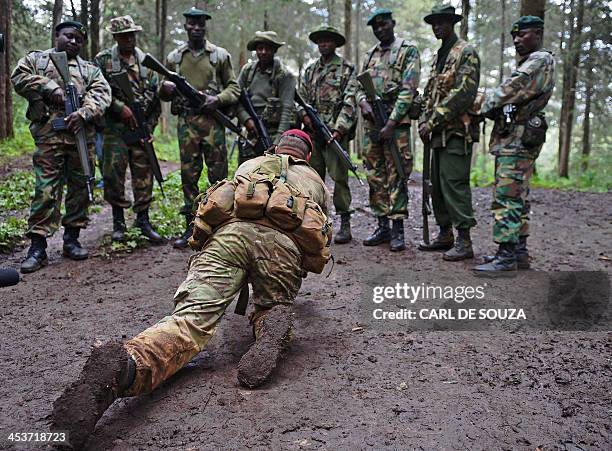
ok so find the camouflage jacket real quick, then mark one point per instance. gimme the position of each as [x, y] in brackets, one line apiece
[36, 77]
[208, 69]
[272, 92]
[450, 94]
[330, 88]
[529, 88]
[395, 72]
[145, 84]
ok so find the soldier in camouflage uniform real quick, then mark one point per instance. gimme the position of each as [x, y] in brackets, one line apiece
[56, 158]
[271, 87]
[201, 139]
[124, 56]
[329, 85]
[239, 252]
[517, 138]
[395, 67]
[447, 125]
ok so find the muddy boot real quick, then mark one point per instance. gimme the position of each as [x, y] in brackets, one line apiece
[344, 234]
[397, 236]
[504, 263]
[381, 235]
[119, 227]
[521, 252]
[108, 372]
[181, 242]
[72, 248]
[37, 256]
[462, 249]
[143, 223]
[273, 333]
[442, 242]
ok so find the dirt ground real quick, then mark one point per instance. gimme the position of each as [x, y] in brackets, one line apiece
[343, 385]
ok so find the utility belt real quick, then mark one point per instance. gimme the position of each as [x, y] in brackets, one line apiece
[534, 129]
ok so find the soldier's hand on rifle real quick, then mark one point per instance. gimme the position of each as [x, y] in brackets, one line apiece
[386, 133]
[336, 135]
[424, 132]
[307, 122]
[366, 110]
[251, 128]
[127, 117]
[211, 103]
[167, 91]
[57, 97]
[74, 122]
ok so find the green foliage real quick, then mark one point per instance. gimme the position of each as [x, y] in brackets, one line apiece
[22, 143]
[11, 231]
[16, 192]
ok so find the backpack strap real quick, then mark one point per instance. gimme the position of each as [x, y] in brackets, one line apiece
[284, 168]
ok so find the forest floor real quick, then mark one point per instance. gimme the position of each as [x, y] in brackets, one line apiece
[346, 383]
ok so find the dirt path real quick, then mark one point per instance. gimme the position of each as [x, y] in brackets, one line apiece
[342, 386]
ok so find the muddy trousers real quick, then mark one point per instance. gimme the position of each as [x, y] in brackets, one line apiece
[55, 165]
[237, 254]
[511, 205]
[323, 160]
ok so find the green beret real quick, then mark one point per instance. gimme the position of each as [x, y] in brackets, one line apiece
[442, 13]
[379, 12]
[196, 12]
[328, 32]
[72, 24]
[527, 22]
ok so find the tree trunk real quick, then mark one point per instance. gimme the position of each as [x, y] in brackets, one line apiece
[73, 9]
[533, 8]
[94, 29]
[163, 21]
[242, 56]
[570, 73]
[465, 11]
[265, 24]
[58, 7]
[348, 17]
[330, 12]
[84, 19]
[502, 39]
[586, 124]
[6, 100]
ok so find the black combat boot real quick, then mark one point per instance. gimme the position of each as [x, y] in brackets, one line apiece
[344, 234]
[72, 248]
[37, 256]
[504, 263]
[442, 242]
[521, 252]
[381, 235]
[181, 242]
[462, 249]
[108, 373]
[119, 227]
[143, 223]
[397, 236]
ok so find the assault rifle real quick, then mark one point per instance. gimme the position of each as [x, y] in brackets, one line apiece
[327, 135]
[72, 104]
[142, 135]
[427, 188]
[380, 119]
[195, 98]
[263, 137]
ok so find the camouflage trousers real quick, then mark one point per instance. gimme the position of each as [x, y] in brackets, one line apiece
[54, 166]
[116, 157]
[450, 181]
[388, 194]
[510, 198]
[237, 254]
[201, 140]
[324, 159]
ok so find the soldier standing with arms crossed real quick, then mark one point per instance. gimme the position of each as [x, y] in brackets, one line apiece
[446, 125]
[124, 56]
[329, 85]
[516, 141]
[395, 68]
[209, 68]
[56, 158]
[271, 87]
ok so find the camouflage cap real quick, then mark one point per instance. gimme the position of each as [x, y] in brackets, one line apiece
[328, 32]
[383, 13]
[265, 37]
[123, 24]
[196, 12]
[442, 13]
[527, 22]
[72, 24]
